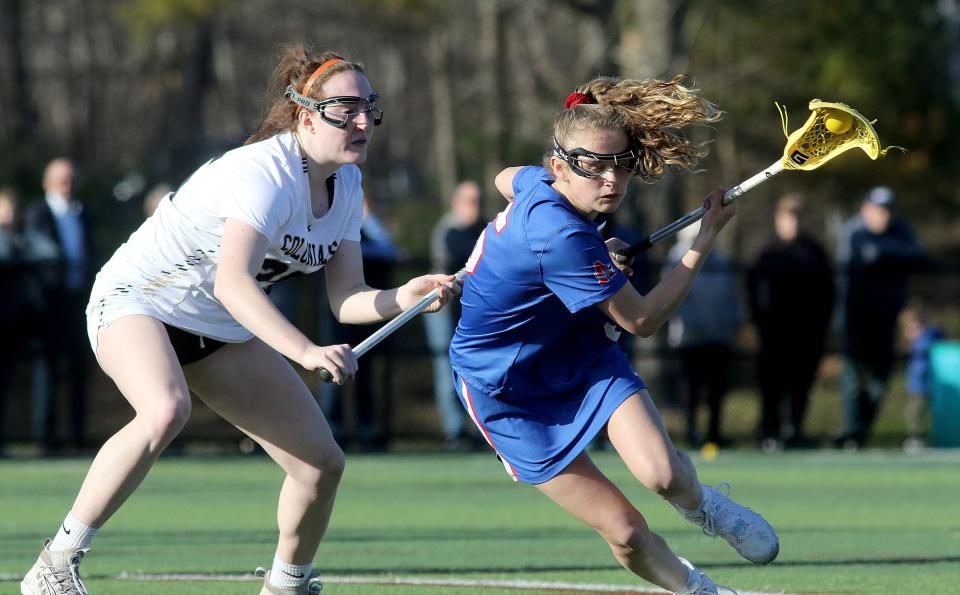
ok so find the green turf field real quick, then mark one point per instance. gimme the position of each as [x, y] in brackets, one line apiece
[866, 522]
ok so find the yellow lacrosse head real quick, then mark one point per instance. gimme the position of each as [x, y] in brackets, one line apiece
[813, 144]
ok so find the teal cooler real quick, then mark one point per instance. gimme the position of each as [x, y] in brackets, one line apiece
[945, 394]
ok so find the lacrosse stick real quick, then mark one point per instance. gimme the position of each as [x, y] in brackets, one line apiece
[831, 129]
[384, 331]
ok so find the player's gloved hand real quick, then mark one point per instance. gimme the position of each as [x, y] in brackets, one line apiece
[413, 290]
[338, 360]
[616, 246]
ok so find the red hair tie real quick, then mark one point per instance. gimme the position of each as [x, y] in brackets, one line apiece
[575, 99]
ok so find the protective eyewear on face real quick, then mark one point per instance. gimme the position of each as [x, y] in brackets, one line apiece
[338, 111]
[591, 165]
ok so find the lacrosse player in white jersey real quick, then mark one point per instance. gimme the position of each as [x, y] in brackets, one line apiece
[183, 304]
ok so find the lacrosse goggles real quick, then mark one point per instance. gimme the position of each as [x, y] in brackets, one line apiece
[338, 111]
[592, 165]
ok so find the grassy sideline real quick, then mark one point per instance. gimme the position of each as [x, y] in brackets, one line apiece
[867, 522]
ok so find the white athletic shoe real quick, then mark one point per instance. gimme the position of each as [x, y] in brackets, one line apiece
[311, 587]
[700, 584]
[55, 573]
[745, 530]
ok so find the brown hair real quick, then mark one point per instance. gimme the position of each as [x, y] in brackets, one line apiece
[295, 67]
[651, 112]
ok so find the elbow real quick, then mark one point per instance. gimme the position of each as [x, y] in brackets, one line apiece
[645, 329]
[225, 288]
[504, 183]
[645, 326]
[636, 327]
[220, 290]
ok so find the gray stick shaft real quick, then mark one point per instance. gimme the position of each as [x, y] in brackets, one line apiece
[386, 330]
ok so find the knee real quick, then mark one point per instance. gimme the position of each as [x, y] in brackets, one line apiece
[323, 472]
[664, 481]
[671, 476]
[167, 419]
[628, 537]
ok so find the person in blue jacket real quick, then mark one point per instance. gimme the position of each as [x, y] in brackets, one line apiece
[877, 253]
[535, 358]
[922, 334]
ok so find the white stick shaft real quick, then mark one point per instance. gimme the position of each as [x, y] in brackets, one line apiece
[728, 197]
[752, 181]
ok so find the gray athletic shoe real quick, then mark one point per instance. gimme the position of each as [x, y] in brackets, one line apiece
[700, 584]
[745, 530]
[311, 587]
[55, 573]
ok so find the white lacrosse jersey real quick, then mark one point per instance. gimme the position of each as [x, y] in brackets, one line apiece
[171, 260]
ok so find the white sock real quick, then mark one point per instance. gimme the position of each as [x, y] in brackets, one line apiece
[289, 575]
[73, 534]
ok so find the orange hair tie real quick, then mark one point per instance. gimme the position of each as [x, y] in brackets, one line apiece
[316, 74]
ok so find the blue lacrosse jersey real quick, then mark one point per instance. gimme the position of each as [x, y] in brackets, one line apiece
[529, 327]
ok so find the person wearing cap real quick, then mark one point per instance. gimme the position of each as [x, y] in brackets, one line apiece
[877, 252]
[182, 306]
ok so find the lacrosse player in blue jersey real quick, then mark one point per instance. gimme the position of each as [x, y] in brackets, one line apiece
[535, 358]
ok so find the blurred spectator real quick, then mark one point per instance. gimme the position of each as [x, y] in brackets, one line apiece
[876, 254]
[14, 303]
[60, 218]
[791, 296]
[20, 251]
[921, 335]
[703, 331]
[453, 238]
[153, 198]
[371, 385]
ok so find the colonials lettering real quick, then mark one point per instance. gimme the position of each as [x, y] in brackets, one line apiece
[306, 253]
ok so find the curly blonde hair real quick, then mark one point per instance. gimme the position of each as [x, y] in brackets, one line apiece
[651, 112]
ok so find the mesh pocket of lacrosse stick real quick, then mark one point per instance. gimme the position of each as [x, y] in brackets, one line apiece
[812, 145]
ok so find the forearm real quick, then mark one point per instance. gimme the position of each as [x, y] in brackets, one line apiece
[365, 305]
[251, 307]
[664, 299]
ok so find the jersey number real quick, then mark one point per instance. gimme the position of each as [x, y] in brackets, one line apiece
[273, 271]
[498, 224]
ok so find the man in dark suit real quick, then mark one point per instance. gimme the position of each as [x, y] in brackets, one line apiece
[65, 283]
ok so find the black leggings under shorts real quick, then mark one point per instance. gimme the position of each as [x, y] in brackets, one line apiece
[189, 347]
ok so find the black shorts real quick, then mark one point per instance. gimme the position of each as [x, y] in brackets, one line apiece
[189, 347]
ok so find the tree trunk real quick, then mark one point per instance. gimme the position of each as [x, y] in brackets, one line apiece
[444, 135]
[489, 74]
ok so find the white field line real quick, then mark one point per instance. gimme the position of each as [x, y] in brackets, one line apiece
[520, 585]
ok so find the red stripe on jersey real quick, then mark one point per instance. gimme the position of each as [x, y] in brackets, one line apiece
[486, 435]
